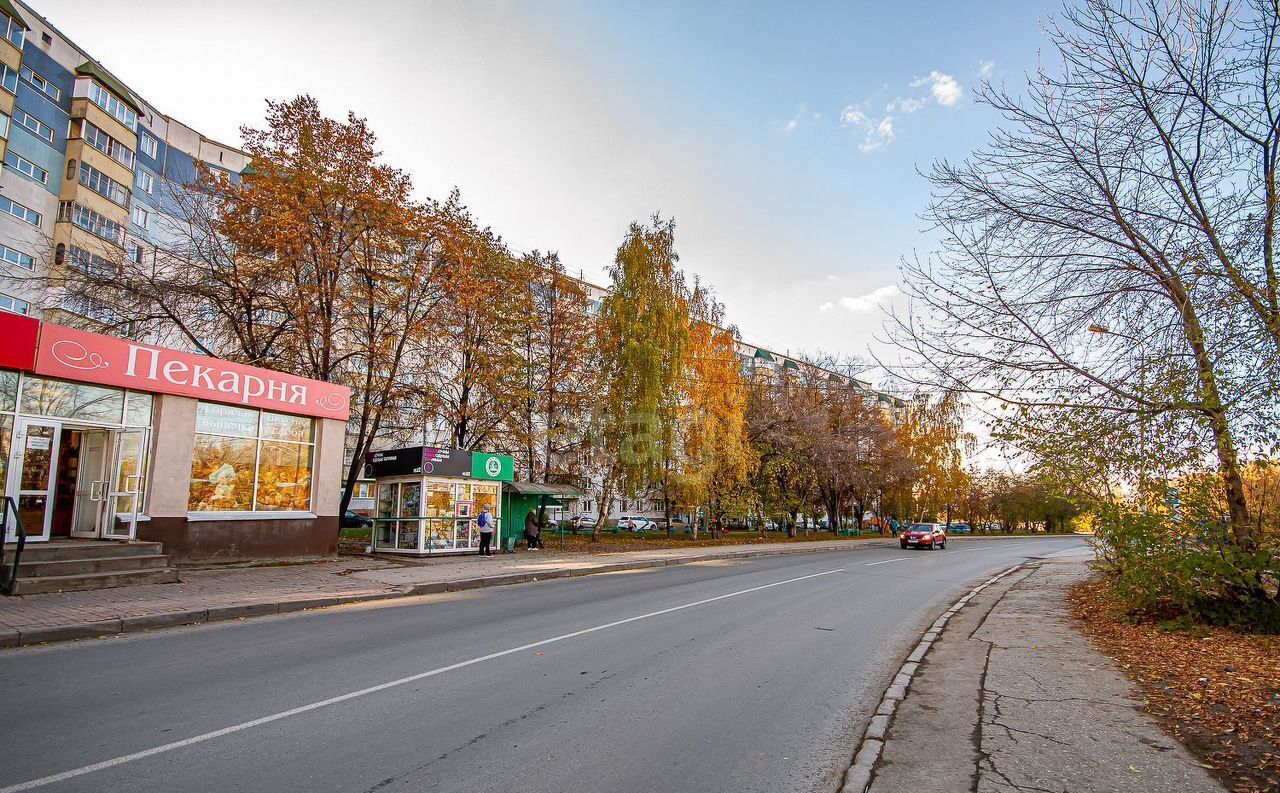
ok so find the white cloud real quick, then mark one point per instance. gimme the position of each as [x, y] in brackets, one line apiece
[876, 132]
[985, 67]
[871, 299]
[825, 307]
[945, 89]
[790, 126]
[906, 104]
[853, 116]
[878, 135]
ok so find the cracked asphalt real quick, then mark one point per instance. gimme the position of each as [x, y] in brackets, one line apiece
[751, 675]
[1022, 703]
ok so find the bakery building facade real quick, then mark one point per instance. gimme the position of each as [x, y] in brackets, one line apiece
[108, 439]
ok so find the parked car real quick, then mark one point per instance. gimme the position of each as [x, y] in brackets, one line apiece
[960, 528]
[636, 523]
[924, 535]
[351, 520]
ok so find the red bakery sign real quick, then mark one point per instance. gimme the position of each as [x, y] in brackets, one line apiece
[89, 357]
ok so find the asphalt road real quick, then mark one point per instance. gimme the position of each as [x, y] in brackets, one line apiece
[752, 675]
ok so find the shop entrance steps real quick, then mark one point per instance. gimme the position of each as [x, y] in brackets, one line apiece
[77, 565]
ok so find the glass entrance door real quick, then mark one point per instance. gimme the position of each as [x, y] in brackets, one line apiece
[32, 474]
[91, 479]
[123, 489]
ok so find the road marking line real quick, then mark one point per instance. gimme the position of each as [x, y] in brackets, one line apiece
[868, 564]
[208, 736]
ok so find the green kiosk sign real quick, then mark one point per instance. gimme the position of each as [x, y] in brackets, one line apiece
[498, 467]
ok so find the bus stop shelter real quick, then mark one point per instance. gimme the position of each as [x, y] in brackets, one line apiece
[521, 498]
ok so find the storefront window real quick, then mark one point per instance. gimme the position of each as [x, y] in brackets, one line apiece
[137, 412]
[222, 474]
[278, 426]
[386, 509]
[6, 432]
[439, 500]
[241, 463]
[59, 398]
[284, 476]
[215, 419]
[8, 390]
[485, 496]
[410, 504]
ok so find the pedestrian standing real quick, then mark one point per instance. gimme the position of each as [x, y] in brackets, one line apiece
[532, 531]
[485, 522]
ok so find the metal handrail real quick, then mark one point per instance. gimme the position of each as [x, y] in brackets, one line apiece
[9, 572]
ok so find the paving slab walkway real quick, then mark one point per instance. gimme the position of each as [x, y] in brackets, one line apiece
[226, 593]
[1012, 698]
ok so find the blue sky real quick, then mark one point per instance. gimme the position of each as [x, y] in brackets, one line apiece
[760, 126]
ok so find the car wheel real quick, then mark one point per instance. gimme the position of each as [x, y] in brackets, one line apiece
[904, 545]
[943, 546]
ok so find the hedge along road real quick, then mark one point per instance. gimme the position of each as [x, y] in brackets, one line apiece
[752, 675]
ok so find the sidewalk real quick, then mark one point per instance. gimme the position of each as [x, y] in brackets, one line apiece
[1011, 698]
[218, 594]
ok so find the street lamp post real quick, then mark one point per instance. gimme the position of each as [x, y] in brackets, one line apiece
[1142, 424]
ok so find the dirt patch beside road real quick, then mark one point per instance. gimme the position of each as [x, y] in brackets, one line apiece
[1214, 689]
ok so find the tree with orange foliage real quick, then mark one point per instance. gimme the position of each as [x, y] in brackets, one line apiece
[716, 460]
[314, 261]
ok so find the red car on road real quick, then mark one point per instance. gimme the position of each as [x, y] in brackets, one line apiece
[924, 535]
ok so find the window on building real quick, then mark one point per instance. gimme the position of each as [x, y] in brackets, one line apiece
[11, 303]
[8, 78]
[46, 39]
[13, 30]
[147, 145]
[90, 221]
[135, 252]
[145, 182]
[33, 124]
[112, 104]
[250, 460]
[108, 145]
[140, 217]
[17, 257]
[19, 211]
[90, 308]
[4, 126]
[45, 396]
[25, 167]
[89, 263]
[103, 185]
[40, 84]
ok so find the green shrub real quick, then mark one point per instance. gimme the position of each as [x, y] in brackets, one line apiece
[1171, 565]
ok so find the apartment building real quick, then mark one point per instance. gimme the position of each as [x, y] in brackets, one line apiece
[92, 172]
[113, 439]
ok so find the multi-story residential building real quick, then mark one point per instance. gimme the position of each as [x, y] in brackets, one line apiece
[92, 172]
[110, 439]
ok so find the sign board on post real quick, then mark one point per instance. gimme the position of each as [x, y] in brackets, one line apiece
[446, 462]
[393, 462]
[498, 467]
[452, 463]
[73, 354]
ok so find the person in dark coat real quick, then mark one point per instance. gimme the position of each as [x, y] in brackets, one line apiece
[532, 530]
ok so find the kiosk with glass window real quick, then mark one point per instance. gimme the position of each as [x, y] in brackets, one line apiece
[427, 499]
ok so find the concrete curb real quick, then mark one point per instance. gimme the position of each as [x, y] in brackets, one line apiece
[857, 779]
[105, 628]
